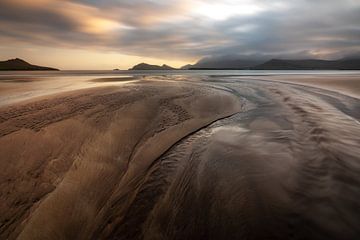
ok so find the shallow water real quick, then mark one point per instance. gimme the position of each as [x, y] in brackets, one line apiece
[298, 179]
[18, 86]
[285, 166]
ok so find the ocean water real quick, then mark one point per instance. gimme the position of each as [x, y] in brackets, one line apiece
[16, 86]
[108, 73]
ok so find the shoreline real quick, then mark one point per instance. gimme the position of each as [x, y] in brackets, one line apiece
[141, 158]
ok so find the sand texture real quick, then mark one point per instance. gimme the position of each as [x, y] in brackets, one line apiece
[172, 157]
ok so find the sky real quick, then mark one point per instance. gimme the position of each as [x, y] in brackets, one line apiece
[107, 34]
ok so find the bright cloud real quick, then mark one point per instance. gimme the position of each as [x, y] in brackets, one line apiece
[184, 29]
[222, 11]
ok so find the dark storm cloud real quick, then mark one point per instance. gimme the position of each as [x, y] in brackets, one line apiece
[177, 28]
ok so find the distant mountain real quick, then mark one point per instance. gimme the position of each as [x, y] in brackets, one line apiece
[224, 63]
[309, 64]
[145, 66]
[260, 63]
[21, 65]
[355, 55]
[186, 67]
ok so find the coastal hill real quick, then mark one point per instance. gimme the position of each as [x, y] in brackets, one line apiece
[310, 64]
[274, 64]
[18, 64]
[223, 63]
[145, 66]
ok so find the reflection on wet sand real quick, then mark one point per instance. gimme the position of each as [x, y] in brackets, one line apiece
[32, 87]
[281, 181]
[180, 157]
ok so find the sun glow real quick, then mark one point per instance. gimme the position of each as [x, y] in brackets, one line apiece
[99, 25]
[218, 11]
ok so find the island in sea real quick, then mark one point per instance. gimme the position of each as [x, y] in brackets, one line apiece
[18, 64]
[145, 66]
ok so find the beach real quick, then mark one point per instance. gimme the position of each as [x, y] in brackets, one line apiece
[180, 156]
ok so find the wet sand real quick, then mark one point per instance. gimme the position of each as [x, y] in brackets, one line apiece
[181, 158]
[345, 84]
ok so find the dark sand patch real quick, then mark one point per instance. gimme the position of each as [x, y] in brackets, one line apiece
[115, 79]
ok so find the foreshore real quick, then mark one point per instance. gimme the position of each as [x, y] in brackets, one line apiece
[172, 157]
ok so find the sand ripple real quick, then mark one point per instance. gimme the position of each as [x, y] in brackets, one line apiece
[232, 159]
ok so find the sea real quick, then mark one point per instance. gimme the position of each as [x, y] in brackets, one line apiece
[16, 86]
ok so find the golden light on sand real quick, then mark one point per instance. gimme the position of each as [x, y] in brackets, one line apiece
[79, 149]
[179, 119]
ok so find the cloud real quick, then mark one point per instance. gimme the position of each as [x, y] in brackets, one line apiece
[187, 29]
